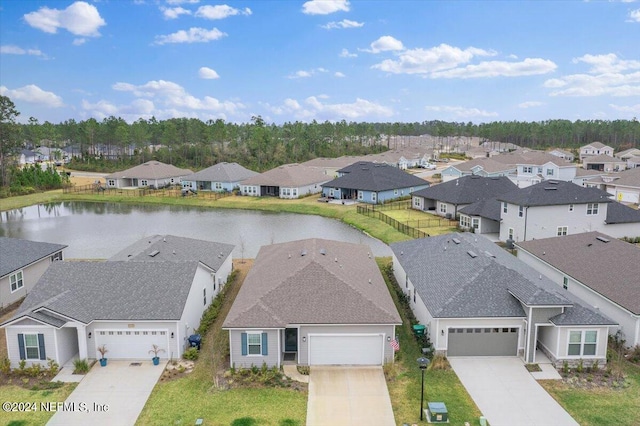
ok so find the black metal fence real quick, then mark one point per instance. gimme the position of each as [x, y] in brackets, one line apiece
[142, 192]
[409, 227]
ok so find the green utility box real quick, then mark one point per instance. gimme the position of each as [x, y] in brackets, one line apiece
[437, 412]
[418, 329]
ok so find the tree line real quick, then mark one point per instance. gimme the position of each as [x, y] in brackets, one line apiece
[112, 143]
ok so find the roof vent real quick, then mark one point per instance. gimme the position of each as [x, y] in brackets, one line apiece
[603, 239]
[154, 253]
[164, 240]
[174, 252]
[455, 240]
[335, 260]
[472, 254]
[550, 188]
[289, 255]
[323, 252]
[489, 254]
[369, 280]
[303, 253]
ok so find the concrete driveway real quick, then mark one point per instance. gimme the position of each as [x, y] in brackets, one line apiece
[507, 394]
[111, 395]
[348, 396]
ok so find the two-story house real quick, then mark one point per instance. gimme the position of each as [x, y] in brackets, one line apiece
[595, 148]
[558, 208]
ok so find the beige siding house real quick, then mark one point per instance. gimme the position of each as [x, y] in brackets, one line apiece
[152, 174]
[288, 181]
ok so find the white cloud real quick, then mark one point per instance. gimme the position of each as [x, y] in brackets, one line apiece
[208, 73]
[324, 7]
[313, 108]
[33, 95]
[345, 23]
[307, 73]
[173, 95]
[426, 61]
[385, 44]
[339, 74]
[346, 54]
[633, 109]
[80, 18]
[174, 12]
[634, 16]
[79, 41]
[607, 63]
[193, 35]
[461, 112]
[177, 2]
[608, 76]
[15, 50]
[530, 104]
[530, 66]
[220, 11]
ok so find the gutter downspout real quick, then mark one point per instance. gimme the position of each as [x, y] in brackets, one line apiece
[526, 214]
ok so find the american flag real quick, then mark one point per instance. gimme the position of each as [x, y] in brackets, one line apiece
[395, 345]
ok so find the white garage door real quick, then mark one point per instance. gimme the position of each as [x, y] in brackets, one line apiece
[627, 196]
[132, 344]
[346, 349]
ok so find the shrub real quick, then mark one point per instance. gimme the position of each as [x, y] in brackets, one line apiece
[440, 362]
[52, 367]
[80, 366]
[5, 365]
[565, 367]
[304, 370]
[34, 370]
[580, 367]
[191, 354]
[21, 365]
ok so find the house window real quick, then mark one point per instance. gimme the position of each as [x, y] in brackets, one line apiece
[144, 182]
[520, 211]
[294, 192]
[373, 197]
[562, 231]
[582, 343]
[416, 202]
[254, 343]
[57, 256]
[539, 169]
[570, 207]
[111, 182]
[565, 283]
[414, 297]
[443, 208]
[16, 280]
[395, 192]
[527, 169]
[549, 172]
[464, 221]
[331, 193]
[31, 346]
[218, 186]
[475, 223]
[360, 195]
[504, 207]
[510, 233]
[204, 295]
[592, 209]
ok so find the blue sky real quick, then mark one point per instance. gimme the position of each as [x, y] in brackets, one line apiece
[290, 60]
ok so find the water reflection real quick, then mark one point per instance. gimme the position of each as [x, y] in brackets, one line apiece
[99, 230]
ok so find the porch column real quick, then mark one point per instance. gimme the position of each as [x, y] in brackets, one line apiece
[82, 341]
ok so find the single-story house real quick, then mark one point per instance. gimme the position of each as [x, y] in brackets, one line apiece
[312, 302]
[603, 271]
[485, 167]
[604, 163]
[593, 149]
[330, 166]
[22, 263]
[152, 174]
[372, 183]
[128, 306]
[445, 199]
[563, 154]
[476, 299]
[219, 177]
[287, 181]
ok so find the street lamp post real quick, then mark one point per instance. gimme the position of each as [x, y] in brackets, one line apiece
[423, 363]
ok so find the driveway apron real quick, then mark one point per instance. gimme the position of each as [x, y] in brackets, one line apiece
[109, 396]
[507, 394]
[348, 396]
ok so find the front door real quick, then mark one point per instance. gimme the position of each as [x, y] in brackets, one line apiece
[291, 340]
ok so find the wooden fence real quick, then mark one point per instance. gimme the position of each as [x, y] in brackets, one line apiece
[142, 192]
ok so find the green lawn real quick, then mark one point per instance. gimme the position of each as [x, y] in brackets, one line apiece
[404, 380]
[619, 407]
[10, 393]
[418, 220]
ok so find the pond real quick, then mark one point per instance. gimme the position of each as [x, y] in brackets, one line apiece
[100, 230]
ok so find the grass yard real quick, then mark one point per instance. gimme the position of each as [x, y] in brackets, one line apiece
[32, 418]
[601, 407]
[404, 379]
[418, 220]
[196, 395]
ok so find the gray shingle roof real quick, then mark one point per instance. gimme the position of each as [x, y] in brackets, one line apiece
[467, 189]
[341, 286]
[489, 208]
[222, 172]
[619, 213]
[90, 291]
[151, 170]
[489, 165]
[452, 283]
[368, 176]
[16, 253]
[554, 192]
[630, 178]
[611, 268]
[172, 248]
[602, 158]
[596, 144]
[289, 175]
